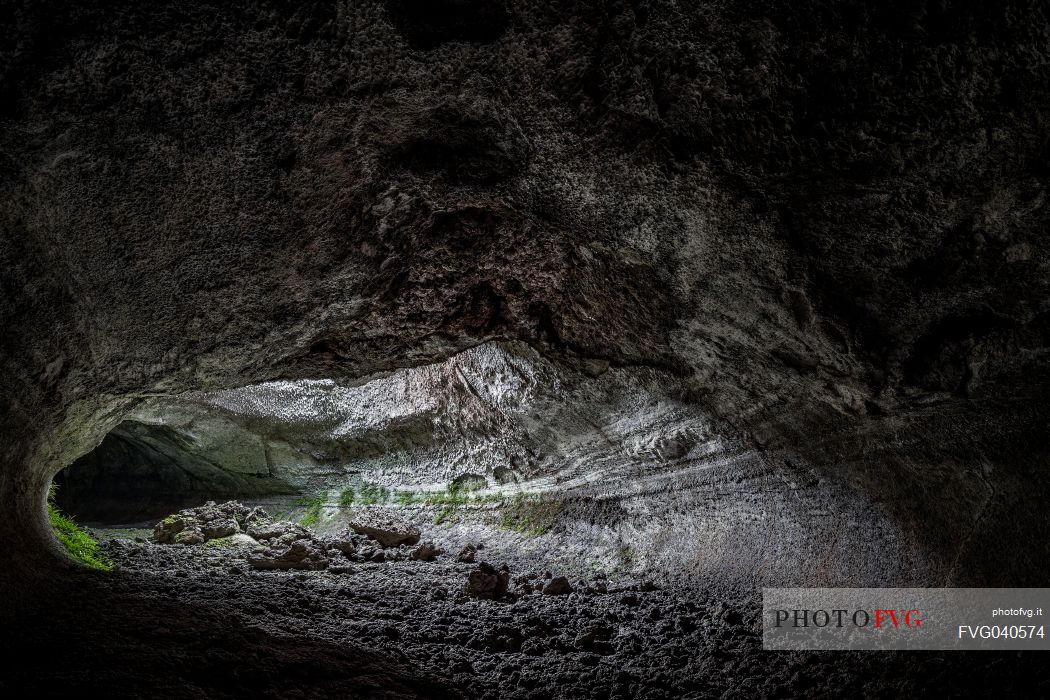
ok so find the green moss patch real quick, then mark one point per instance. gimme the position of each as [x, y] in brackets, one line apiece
[312, 516]
[81, 546]
[531, 514]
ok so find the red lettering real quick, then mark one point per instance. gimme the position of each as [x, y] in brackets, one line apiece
[880, 615]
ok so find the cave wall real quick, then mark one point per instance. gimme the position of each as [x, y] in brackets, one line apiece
[826, 219]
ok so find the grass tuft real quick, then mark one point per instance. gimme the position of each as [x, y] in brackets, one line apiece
[446, 513]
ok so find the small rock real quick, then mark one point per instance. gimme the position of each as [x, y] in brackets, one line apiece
[559, 585]
[301, 554]
[189, 537]
[427, 551]
[487, 581]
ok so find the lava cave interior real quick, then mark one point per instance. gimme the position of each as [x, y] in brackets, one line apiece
[506, 349]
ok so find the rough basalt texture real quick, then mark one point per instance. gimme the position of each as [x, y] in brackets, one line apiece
[825, 220]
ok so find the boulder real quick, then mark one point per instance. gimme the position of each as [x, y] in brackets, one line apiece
[263, 530]
[189, 536]
[300, 554]
[347, 544]
[165, 531]
[240, 539]
[486, 581]
[384, 529]
[427, 551]
[219, 527]
[559, 585]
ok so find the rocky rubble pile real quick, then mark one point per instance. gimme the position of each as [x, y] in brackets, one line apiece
[207, 522]
[280, 544]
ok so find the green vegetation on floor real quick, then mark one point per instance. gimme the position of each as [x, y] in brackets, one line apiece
[625, 555]
[81, 546]
[532, 515]
[527, 514]
[444, 514]
[312, 516]
[346, 497]
[371, 494]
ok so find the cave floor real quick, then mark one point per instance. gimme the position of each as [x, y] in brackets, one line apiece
[174, 621]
